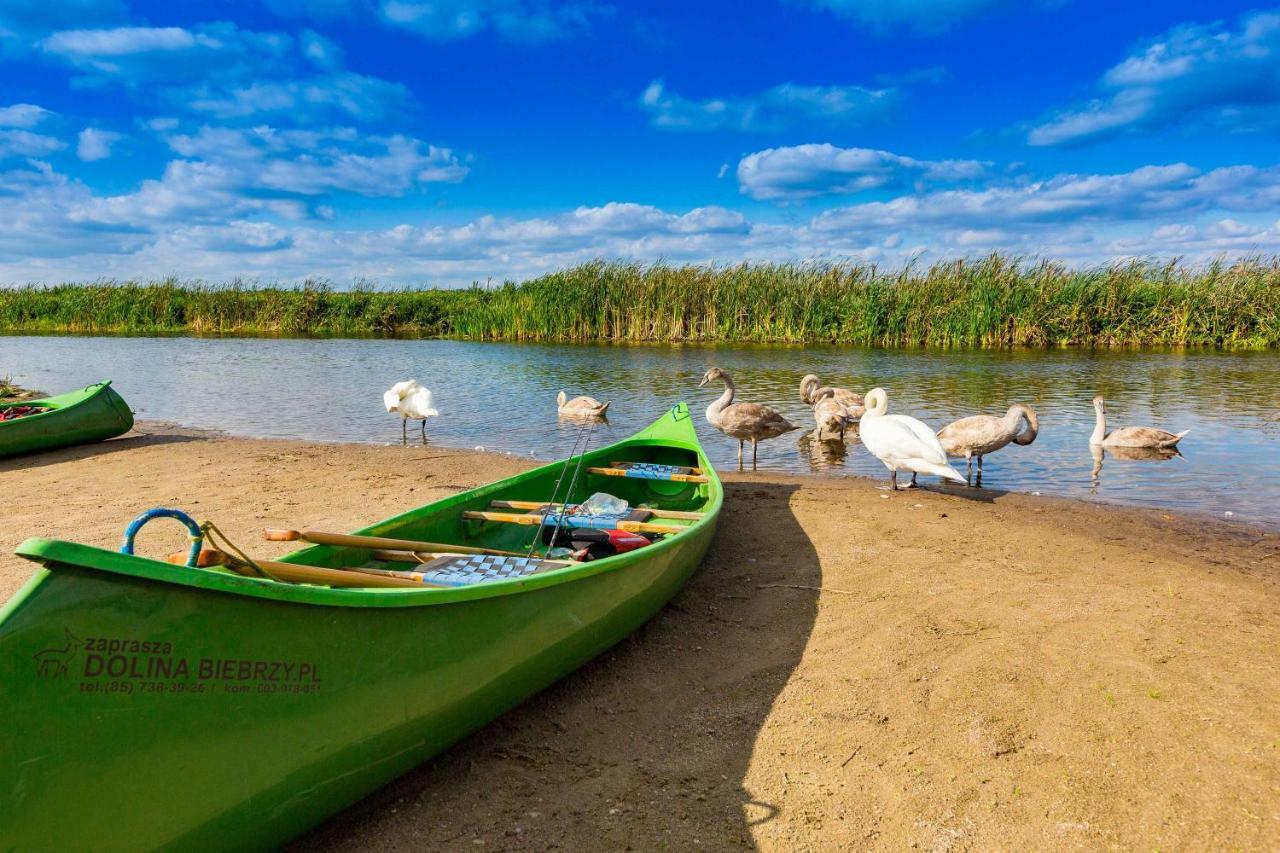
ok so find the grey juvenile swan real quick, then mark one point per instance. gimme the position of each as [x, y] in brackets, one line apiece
[1129, 436]
[982, 434]
[829, 415]
[581, 407]
[743, 421]
[811, 391]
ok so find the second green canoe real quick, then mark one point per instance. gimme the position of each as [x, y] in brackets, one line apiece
[159, 706]
[91, 414]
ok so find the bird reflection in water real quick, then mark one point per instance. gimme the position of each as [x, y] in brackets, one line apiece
[1131, 454]
[827, 452]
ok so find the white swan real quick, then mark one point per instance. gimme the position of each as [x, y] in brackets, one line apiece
[902, 443]
[411, 400]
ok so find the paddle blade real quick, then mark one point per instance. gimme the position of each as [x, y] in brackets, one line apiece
[208, 557]
[275, 534]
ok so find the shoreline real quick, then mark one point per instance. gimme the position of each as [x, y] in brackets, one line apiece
[848, 669]
[871, 483]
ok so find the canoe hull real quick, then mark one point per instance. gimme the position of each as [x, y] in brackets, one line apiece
[176, 716]
[95, 413]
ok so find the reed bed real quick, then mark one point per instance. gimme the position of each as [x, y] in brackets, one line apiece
[997, 301]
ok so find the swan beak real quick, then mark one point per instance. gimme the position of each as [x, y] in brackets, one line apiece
[703, 382]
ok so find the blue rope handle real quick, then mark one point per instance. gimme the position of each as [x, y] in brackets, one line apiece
[193, 530]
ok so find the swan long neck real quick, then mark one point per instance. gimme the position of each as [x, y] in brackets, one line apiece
[1018, 412]
[1099, 426]
[807, 385]
[876, 402]
[726, 398]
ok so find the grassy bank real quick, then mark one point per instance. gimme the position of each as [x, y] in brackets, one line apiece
[995, 301]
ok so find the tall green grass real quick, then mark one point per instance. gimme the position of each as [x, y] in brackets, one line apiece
[996, 301]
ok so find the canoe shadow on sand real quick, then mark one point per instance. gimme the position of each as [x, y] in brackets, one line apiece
[129, 441]
[648, 745]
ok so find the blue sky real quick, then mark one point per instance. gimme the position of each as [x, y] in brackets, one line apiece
[442, 142]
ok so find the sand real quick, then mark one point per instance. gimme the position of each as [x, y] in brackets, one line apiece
[850, 669]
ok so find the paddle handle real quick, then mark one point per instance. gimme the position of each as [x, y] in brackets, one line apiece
[348, 540]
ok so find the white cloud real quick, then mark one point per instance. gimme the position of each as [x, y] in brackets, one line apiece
[23, 115]
[24, 143]
[519, 20]
[212, 218]
[319, 162]
[773, 109]
[920, 16]
[95, 48]
[804, 171]
[95, 144]
[227, 72]
[1143, 194]
[24, 21]
[1212, 73]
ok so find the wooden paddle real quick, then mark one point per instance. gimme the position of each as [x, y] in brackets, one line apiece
[656, 513]
[295, 573]
[346, 540]
[629, 526]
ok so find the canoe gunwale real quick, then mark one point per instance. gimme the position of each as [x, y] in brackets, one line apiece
[56, 405]
[58, 555]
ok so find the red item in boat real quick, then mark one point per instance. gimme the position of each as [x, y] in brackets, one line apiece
[14, 412]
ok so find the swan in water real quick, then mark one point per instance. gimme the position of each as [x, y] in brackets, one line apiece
[580, 407]
[810, 392]
[1129, 436]
[902, 443]
[982, 434]
[829, 415]
[411, 400]
[742, 420]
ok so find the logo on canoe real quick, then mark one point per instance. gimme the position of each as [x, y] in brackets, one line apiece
[111, 665]
[52, 663]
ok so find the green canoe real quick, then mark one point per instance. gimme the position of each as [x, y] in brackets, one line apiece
[77, 417]
[158, 706]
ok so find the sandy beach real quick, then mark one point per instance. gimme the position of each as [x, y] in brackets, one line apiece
[850, 669]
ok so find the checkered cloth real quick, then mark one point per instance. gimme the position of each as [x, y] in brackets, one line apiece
[465, 570]
[652, 471]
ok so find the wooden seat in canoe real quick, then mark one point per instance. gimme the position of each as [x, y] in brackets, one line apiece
[652, 471]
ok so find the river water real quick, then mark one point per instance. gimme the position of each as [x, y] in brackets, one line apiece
[502, 397]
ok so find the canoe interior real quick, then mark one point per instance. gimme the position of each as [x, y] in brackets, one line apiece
[668, 442]
[443, 522]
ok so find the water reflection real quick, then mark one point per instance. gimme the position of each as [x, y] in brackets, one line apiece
[502, 397]
[1128, 454]
[826, 454]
